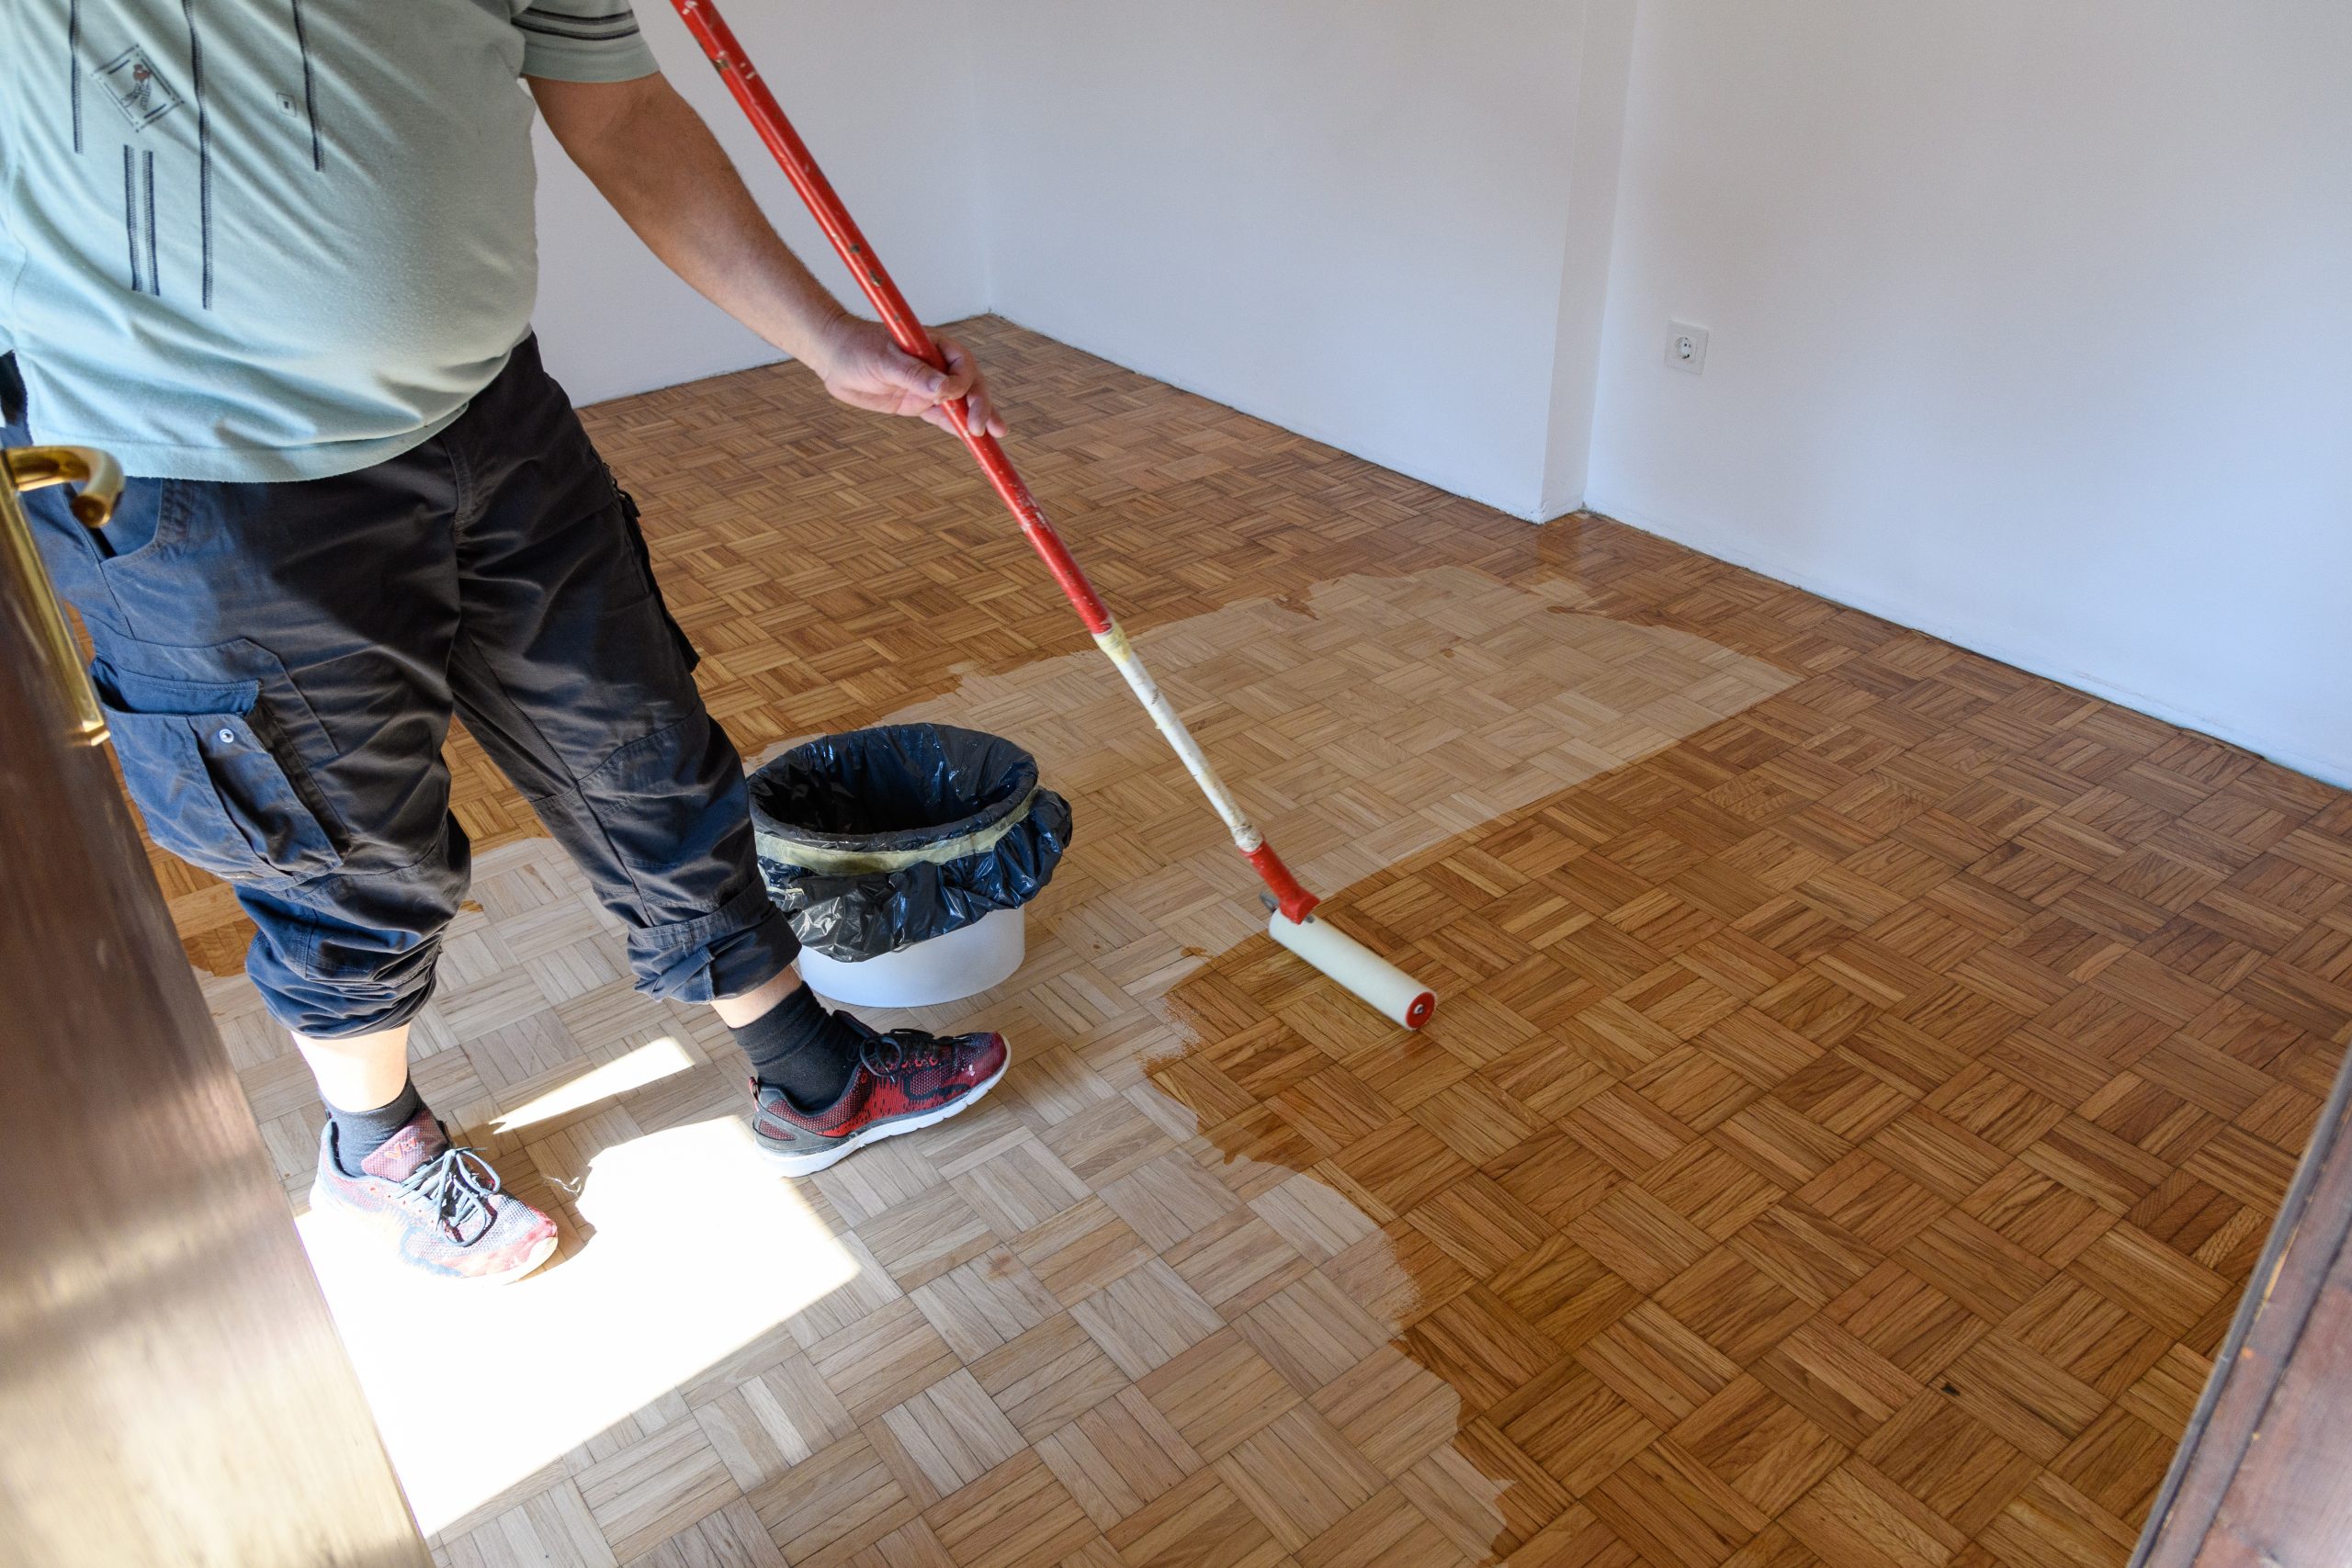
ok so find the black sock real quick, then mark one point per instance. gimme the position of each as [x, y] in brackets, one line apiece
[358, 1133]
[801, 1049]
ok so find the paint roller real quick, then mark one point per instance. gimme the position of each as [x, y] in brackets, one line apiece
[1290, 918]
[1379, 984]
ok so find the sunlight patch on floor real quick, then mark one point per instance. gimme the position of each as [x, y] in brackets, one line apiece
[698, 1248]
[653, 1060]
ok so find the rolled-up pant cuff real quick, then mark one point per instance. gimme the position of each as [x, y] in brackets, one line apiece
[740, 947]
[337, 1008]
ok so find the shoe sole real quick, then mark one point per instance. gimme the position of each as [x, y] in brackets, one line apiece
[810, 1165]
[538, 1255]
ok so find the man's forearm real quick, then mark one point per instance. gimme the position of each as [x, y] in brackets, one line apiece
[654, 160]
[651, 155]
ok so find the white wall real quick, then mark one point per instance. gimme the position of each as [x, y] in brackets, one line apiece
[881, 92]
[2032, 327]
[2032, 319]
[1348, 217]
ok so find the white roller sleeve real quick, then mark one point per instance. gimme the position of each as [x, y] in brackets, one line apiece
[1381, 985]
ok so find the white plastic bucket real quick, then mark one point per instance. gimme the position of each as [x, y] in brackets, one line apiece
[944, 969]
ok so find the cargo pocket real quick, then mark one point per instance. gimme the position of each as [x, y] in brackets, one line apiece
[209, 772]
[645, 564]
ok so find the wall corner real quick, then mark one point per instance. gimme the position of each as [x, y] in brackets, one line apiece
[1605, 69]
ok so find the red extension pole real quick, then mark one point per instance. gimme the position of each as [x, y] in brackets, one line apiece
[743, 79]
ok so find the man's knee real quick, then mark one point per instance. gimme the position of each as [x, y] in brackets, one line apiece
[345, 955]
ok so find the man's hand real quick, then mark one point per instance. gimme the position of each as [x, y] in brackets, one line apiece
[655, 161]
[861, 366]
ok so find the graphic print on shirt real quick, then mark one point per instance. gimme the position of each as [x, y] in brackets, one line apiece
[203, 148]
[309, 89]
[74, 67]
[332, 248]
[137, 89]
[155, 273]
[130, 215]
[150, 280]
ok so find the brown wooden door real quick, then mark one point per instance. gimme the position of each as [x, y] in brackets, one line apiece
[172, 1390]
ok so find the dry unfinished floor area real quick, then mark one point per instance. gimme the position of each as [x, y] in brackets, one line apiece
[1864, 1077]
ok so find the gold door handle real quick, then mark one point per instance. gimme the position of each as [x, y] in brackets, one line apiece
[100, 478]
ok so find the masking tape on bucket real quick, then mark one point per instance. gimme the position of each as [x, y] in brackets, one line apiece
[828, 861]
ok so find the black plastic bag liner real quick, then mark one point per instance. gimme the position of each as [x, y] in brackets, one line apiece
[877, 839]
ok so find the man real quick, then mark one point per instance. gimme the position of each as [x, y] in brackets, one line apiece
[278, 259]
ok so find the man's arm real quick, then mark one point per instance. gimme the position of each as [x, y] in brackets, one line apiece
[651, 155]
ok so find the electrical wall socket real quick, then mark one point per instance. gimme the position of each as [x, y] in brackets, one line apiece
[1686, 347]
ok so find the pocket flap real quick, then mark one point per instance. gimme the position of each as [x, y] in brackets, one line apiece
[139, 693]
[213, 793]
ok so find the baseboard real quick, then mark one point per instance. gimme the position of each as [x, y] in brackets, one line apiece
[2330, 771]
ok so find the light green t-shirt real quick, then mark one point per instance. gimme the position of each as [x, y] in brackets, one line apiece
[274, 239]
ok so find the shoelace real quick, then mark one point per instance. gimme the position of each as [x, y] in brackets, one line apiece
[458, 1183]
[886, 1053]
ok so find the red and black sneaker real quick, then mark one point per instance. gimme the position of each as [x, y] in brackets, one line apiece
[901, 1082]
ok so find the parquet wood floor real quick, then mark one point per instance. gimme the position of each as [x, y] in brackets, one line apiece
[1865, 1076]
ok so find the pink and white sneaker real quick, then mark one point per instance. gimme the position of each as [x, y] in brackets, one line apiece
[437, 1207]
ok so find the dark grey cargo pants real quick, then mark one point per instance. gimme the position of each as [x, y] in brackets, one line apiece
[279, 664]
